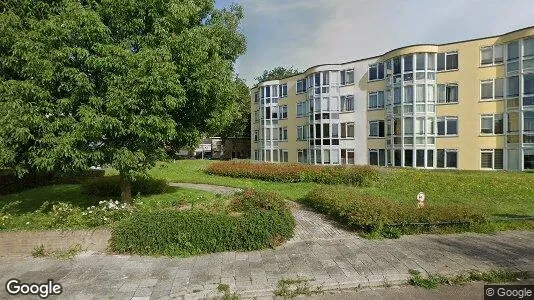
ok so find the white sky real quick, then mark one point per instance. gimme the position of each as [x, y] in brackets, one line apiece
[303, 33]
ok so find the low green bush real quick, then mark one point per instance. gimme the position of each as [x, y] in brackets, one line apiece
[109, 186]
[377, 216]
[249, 224]
[350, 175]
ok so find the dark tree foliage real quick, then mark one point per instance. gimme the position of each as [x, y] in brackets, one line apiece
[111, 83]
[277, 73]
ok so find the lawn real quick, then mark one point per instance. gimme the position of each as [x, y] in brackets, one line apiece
[499, 194]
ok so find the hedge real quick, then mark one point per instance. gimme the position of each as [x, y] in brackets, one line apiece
[255, 220]
[351, 175]
[109, 186]
[380, 216]
[11, 183]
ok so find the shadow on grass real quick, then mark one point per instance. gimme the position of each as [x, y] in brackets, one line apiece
[512, 216]
[33, 199]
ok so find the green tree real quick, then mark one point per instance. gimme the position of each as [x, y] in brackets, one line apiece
[277, 73]
[111, 83]
[234, 121]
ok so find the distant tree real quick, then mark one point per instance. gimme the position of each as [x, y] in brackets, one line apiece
[111, 83]
[234, 121]
[277, 73]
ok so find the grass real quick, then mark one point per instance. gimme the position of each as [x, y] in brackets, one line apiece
[71, 252]
[498, 194]
[493, 276]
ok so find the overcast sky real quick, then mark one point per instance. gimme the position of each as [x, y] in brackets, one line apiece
[303, 33]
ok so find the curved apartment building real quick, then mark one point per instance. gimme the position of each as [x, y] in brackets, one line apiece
[463, 105]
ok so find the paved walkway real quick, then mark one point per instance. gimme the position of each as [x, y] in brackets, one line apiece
[325, 255]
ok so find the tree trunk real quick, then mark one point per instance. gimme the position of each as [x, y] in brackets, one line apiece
[126, 191]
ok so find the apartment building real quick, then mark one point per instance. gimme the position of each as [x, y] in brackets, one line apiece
[463, 105]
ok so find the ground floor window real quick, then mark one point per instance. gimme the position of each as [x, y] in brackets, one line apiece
[377, 157]
[447, 158]
[347, 156]
[528, 159]
[492, 159]
[284, 156]
[256, 155]
[302, 156]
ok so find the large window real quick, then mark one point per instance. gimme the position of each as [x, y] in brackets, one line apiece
[448, 93]
[377, 157]
[492, 89]
[282, 133]
[376, 100]
[376, 128]
[347, 103]
[492, 124]
[492, 159]
[512, 57]
[301, 86]
[302, 156]
[528, 127]
[448, 61]
[528, 89]
[301, 109]
[282, 90]
[376, 71]
[491, 55]
[448, 126]
[301, 133]
[347, 130]
[528, 54]
[447, 158]
[513, 86]
[347, 77]
[282, 112]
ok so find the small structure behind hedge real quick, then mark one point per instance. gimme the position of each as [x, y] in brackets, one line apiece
[350, 175]
[253, 220]
[377, 216]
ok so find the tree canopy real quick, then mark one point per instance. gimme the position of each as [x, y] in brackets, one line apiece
[111, 83]
[277, 73]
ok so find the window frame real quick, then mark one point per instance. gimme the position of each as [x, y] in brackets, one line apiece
[343, 103]
[493, 89]
[377, 122]
[445, 156]
[493, 158]
[378, 105]
[445, 65]
[493, 118]
[303, 81]
[493, 63]
[447, 101]
[445, 119]
[345, 72]
[378, 156]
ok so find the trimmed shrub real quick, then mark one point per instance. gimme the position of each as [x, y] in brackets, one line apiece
[350, 175]
[109, 186]
[252, 225]
[11, 183]
[379, 216]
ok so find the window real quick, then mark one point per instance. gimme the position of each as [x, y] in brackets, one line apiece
[256, 132]
[492, 89]
[282, 112]
[420, 61]
[408, 94]
[376, 128]
[528, 127]
[447, 158]
[513, 86]
[347, 77]
[448, 61]
[301, 133]
[492, 159]
[301, 86]
[256, 97]
[376, 71]
[347, 103]
[347, 130]
[301, 109]
[447, 93]
[282, 134]
[528, 89]
[377, 157]
[491, 55]
[376, 100]
[302, 156]
[448, 126]
[492, 124]
[513, 50]
[282, 90]
[284, 156]
[326, 131]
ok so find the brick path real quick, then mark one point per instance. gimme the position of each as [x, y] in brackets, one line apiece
[330, 257]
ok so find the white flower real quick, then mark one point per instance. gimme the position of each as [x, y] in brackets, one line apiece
[90, 211]
[27, 223]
